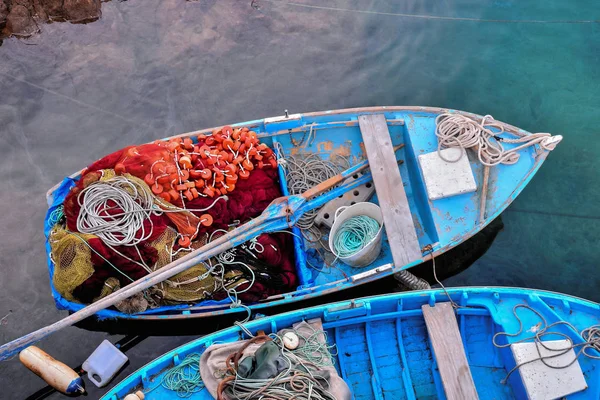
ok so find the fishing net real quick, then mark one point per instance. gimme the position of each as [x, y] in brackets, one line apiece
[113, 235]
[191, 285]
[72, 260]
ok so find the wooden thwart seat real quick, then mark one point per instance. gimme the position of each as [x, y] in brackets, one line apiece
[449, 352]
[397, 218]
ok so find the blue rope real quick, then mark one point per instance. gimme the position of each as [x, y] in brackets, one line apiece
[185, 378]
[56, 215]
[354, 234]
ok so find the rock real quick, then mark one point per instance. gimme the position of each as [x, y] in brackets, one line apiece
[82, 11]
[53, 9]
[20, 17]
[20, 22]
[3, 15]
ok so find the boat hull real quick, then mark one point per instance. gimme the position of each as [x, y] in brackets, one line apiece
[387, 337]
[441, 224]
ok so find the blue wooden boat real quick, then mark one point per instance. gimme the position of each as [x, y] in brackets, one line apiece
[386, 347]
[431, 217]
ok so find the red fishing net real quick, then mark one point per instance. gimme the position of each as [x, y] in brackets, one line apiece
[223, 180]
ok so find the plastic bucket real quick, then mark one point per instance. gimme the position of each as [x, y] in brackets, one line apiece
[369, 253]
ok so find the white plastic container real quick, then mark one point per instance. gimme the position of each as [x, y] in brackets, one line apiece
[104, 363]
[369, 253]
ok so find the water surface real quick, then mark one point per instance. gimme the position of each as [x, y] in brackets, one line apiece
[152, 68]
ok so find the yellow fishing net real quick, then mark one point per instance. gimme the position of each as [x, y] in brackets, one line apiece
[72, 260]
[188, 286]
[73, 265]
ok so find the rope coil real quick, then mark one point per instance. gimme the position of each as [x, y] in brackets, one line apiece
[354, 234]
[456, 130]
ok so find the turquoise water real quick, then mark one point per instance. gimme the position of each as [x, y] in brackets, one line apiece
[151, 68]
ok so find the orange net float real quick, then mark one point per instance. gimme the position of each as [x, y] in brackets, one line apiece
[209, 191]
[227, 130]
[231, 179]
[236, 133]
[181, 187]
[199, 183]
[219, 177]
[171, 169]
[188, 143]
[149, 179]
[174, 195]
[184, 241]
[166, 196]
[159, 167]
[204, 151]
[206, 173]
[157, 189]
[247, 165]
[206, 219]
[231, 169]
[228, 144]
[184, 174]
[188, 195]
[243, 174]
[185, 162]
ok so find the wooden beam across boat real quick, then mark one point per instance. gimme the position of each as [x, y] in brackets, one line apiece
[397, 218]
[449, 352]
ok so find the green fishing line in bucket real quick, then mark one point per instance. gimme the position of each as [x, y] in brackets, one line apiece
[354, 234]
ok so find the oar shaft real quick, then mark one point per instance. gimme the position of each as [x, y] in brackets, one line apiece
[280, 214]
[243, 233]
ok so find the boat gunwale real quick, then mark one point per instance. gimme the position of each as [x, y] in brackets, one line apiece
[253, 123]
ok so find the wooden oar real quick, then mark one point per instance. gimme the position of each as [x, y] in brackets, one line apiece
[282, 213]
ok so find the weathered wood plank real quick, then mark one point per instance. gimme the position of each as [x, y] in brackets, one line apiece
[449, 352]
[397, 218]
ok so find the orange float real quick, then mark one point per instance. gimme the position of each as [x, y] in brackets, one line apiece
[185, 241]
[209, 191]
[149, 179]
[206, 173]
[243, 174]
[157, 189]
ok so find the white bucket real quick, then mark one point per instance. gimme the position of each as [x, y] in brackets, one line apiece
[369, 253]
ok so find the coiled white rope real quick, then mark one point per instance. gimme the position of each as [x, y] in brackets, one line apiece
[456, 130]
[118, 229]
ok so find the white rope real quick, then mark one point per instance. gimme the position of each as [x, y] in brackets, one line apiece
[456, 130]
[99, 198]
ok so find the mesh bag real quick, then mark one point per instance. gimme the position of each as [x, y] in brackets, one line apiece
[72, 260]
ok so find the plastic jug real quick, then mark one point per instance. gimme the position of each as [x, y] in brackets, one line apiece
[104, 363]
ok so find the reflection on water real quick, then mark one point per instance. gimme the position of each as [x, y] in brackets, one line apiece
[152, 68]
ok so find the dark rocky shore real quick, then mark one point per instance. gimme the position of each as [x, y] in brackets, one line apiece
[21, 18]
